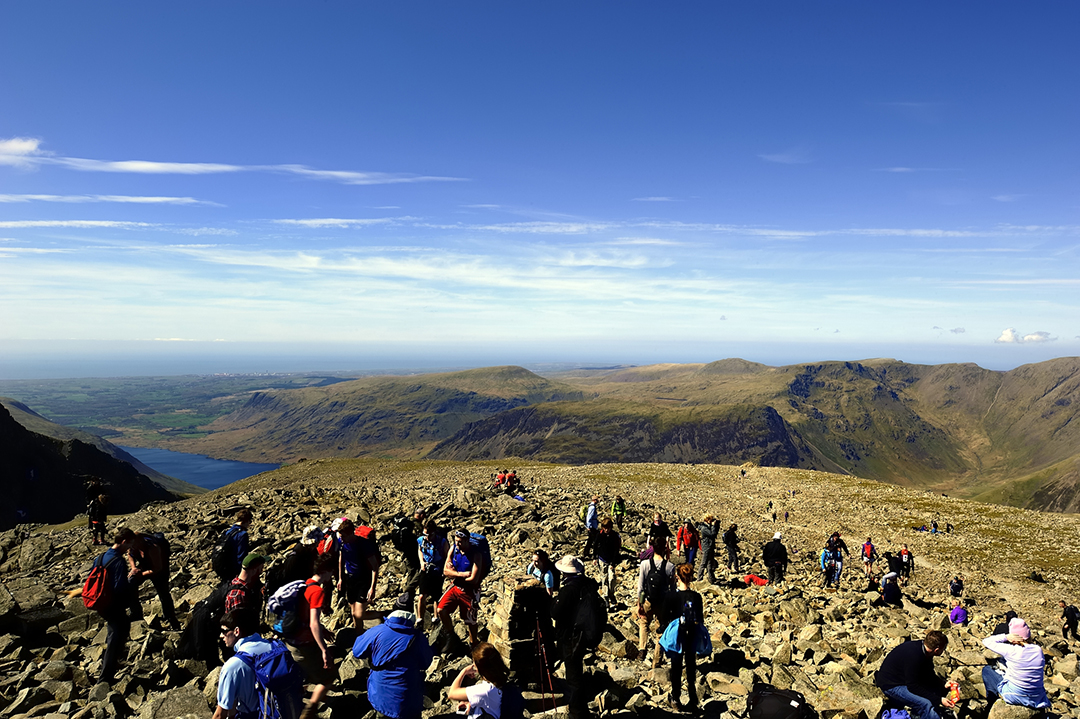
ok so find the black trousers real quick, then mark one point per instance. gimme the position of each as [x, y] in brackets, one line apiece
[776, 573]
[161, 586]
[118, 622]
[689, 658]
[733, 558]
[573, 658]
[1069, 627]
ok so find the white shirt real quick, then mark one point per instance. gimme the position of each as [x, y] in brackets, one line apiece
[484, 697]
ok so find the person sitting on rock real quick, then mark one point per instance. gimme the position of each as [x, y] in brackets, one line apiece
[890, 591]
[956, 586]
[958, 615]
[775, 556]
[907, 675]
[1070, 618]
[358, 572]
[1021, 682]
[150, 553]
[486, 695]
[399, 655]
[708, 530]
[464, 566]
[542, 569]
[237, 693]
[431, 549]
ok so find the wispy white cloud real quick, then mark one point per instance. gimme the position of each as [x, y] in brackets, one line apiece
[483, 207]
[124, 199]
[20, 151]
[903, 170]
[654, 199]
[1007, 198]
[1011, 336]
[76, 223]
[336, 222]
[958, 330]
[794, 156]
[143, 167]
[351, 177]
[644, 241]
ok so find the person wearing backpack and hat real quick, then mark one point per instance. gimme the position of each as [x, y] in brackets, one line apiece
[238, 693]
[399, 655]
[122, 604]
[775, 557]
[655, 580]
[568, 634]
[246, 591]
[684, 606]
[1021, 683]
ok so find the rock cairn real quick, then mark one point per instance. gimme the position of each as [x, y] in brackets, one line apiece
[825, 644]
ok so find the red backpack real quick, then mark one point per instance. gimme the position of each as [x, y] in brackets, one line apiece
[97, 590]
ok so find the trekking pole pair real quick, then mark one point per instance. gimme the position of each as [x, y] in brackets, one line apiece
[545, 671]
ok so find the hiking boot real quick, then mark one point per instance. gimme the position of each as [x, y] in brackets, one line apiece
[310, 712]
[675, 705]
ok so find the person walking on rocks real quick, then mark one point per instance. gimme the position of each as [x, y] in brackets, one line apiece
[123, 603]
[237, 694]
[907, 675]
[869, 556]
[840, 550]
[608, 549]
[399, 655]
[658, 537]
[731, 541]
[688, 540]
[1070, 618]
[431, 548]
[358, 572]
[1021, 681]
[464, 566]
[246, 591]
[655, 580]
[708, 530]
[234, 546]
[828, 559]
[592, 527]
[775, 557]
[150, 553]
[684, 606]
[618, 511]
[568, 636]
[907, 562]
[310, 646]
[98, 514]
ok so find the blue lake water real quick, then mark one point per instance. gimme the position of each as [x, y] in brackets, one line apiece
[197, 469]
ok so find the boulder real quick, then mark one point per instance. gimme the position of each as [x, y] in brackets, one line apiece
[186, 701]
[1001, 710]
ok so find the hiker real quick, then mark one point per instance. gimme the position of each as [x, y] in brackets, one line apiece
[890, 591]
[431, 549]
[1003, 626]
[150, 553]
[246, 591]
[708, 531]
[592, 526]
[655, 580]
[828, 566]
[775, 557]
[840, 550]
[358, 572]
[512, 483]
[1070, 618]
[309, 645]
[608, 549]
[404, 534]
[688, 538]
[1020, 682]
[907, 560]
[299, 562]
[486, 695]
[956, 586]
[907, 675]
[98, 513]
[237, 694]
[684, 606]
[731, 541]
[569, 635]
[233, 547]
[894, 564]
[958, 616]
[869, 556]
[786, 515]
[542, 569]
[464, 566]
[399, 655]
[618, 511]
[122, 604]
[658, 537]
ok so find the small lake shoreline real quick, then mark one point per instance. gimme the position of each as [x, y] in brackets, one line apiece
[200, 470]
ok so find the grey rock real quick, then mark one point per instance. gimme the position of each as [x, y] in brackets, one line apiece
[179, 702]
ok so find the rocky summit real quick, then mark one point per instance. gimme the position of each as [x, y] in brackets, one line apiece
[823, 643]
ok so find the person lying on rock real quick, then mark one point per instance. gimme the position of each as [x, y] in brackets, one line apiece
[1020, 680]
[907, 676]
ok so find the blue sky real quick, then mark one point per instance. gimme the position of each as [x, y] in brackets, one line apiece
[508, 182]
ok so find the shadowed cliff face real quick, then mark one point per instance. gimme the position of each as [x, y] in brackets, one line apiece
[557, 434]
[44, 479]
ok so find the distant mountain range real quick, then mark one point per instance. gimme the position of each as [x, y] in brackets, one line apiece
[44, 468]
[1004, 437]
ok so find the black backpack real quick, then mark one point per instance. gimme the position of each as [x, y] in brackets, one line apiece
[657, 583]
[403, 537]
[223, 558]
[768, 702]
[590, 619]
[199, 640]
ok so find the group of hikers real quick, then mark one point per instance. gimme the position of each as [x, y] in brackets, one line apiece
[446, 572]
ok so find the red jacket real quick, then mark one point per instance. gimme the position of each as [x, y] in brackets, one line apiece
[687, 538]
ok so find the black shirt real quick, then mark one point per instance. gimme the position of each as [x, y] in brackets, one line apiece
[676, 601]
[909, 665]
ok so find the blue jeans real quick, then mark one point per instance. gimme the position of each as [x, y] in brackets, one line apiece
[925, 707]
[996, 686]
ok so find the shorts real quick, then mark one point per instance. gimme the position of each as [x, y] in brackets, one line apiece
[467, 600]
[431, 584]
[357, 586]
[309, 657]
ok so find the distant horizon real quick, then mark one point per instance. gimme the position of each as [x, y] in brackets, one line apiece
[78, 359]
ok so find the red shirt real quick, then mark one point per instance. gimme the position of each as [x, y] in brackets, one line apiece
[314, 597]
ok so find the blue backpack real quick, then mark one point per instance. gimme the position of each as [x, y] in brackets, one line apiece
[278, 680]
[461, 562]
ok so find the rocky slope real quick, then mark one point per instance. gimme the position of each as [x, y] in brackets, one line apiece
[825, 644]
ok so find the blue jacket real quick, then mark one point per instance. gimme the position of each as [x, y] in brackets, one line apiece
[117, 568]
[396, 682]
[592, 519]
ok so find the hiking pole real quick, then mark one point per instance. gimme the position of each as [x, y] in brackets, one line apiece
[543, 660]
[547, 667]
